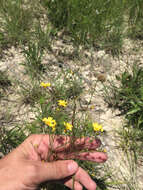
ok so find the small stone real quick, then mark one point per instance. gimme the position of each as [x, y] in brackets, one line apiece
[3, 67]
[100, 54]
[100, 77]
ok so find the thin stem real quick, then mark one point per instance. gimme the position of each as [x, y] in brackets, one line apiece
[73, 180]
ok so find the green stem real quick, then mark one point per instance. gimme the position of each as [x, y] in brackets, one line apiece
[73, 180]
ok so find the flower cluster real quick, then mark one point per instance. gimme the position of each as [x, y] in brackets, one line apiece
[68, 126]
[97, 127]
[62, 103]
[45, 85]
[92, 107]
[50, 122]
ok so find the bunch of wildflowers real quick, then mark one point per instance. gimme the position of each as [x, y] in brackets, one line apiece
[45, 85]
[62, 103]
[97, 127]
[91, 128]
[50, 122]
[68, 126]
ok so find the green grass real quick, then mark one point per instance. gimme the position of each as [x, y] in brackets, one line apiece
[31, 93]
[4, 80]
[5, 83]
[99, 24]
[127, 97]
[17, 21]
[135, 19]
[33, 55]
[88, 22]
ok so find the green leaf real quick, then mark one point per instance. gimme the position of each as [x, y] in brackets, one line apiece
[133, 111]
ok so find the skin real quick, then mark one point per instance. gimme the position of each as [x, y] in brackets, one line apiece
[44, 158]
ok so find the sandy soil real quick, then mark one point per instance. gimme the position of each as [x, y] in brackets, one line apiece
[95, 67]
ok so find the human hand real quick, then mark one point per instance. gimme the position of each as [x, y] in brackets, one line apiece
[33, 162]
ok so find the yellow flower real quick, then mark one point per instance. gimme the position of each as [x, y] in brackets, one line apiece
[58, 109]
[50, 122]
[92, 107]
[97, 127]
[68, 126]
[62, 103]
[53, 129]
[45, 85]
[104, 150]
[93, 174]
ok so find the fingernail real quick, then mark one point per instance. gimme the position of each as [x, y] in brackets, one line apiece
[72, 167]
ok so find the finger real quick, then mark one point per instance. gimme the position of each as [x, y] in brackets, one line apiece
[89, 156]
[62, 143]
[83, 178]
[55, 170]
[69, 183]
[87, 143]
[92, 156]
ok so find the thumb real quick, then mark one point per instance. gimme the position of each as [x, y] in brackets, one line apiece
[56, 170]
